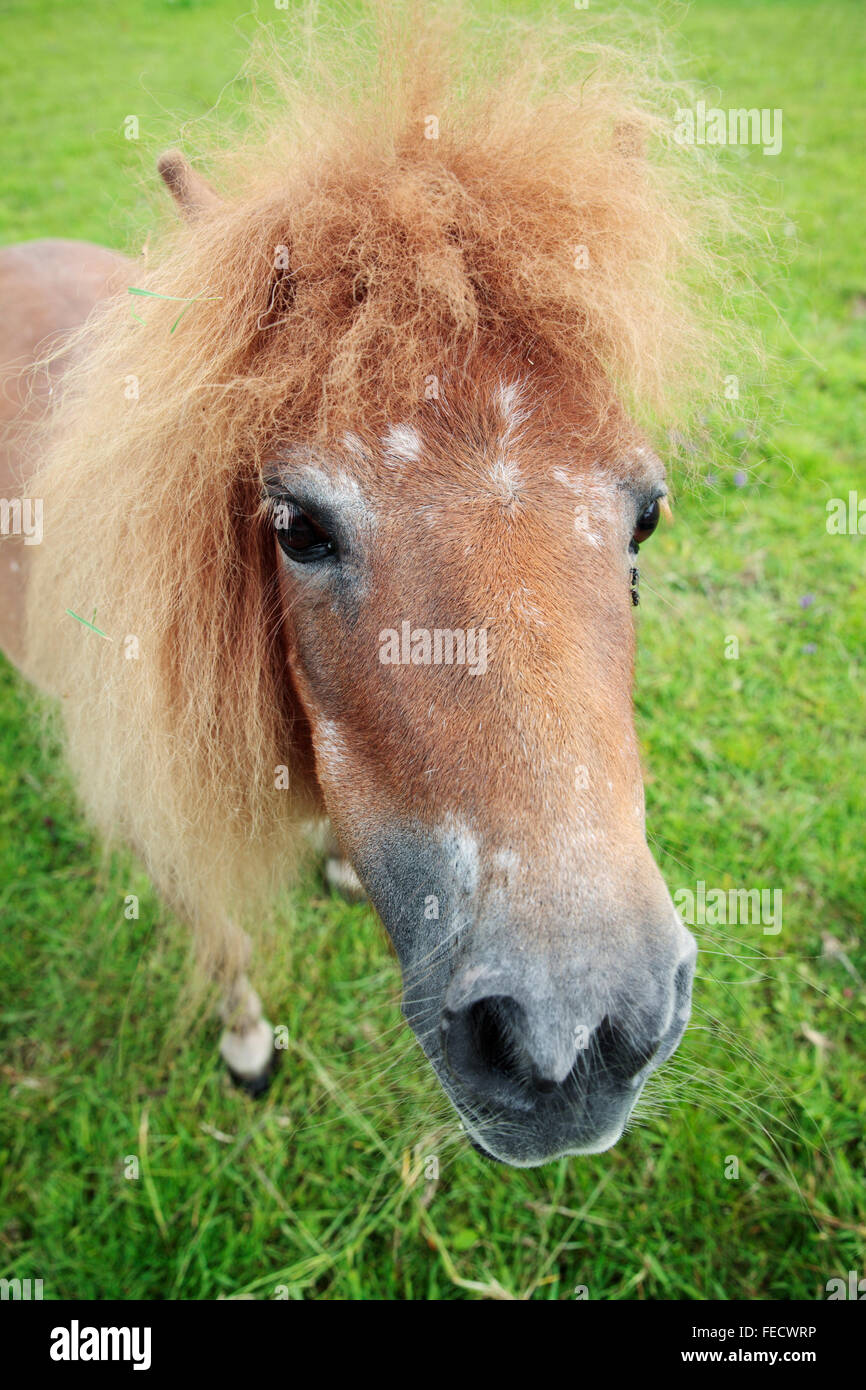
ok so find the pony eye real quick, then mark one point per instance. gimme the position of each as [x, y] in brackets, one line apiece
[646, 523]
[298, 536]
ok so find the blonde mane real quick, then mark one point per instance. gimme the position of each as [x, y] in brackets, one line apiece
[370, 235]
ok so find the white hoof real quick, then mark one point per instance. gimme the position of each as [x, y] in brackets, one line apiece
[340, 876]
[249, 1055]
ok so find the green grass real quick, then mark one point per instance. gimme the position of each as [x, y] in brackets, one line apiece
[755, 778]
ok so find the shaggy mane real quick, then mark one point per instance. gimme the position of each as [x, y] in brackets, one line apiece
[350, 259]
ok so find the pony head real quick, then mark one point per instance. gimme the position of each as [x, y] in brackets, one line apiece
[364, 534]
[457, 593]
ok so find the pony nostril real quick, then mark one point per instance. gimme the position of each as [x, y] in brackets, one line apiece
[619, 1055]
[492, 1050]
[491, 1033]
[482, 1045]
[683, 979]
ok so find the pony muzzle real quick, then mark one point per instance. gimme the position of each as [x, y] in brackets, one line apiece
[535, 1075]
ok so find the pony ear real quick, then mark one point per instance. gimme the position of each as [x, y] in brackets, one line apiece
[193, 195]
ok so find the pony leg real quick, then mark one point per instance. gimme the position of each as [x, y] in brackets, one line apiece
[339, 874]
[336, 869]
[247, 1044]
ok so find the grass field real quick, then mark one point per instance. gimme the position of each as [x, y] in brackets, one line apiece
[755, 778]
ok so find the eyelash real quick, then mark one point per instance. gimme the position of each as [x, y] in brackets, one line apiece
[650, 517]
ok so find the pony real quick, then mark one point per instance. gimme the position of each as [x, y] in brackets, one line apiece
[343, 483]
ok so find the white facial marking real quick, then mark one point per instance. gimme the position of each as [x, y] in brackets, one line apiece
[342, 492]
[476, 974]
[524, 608]
[461, 849]
[648, 463]
[330, 745]
[595, 484]
[597, 502]
[506, 477]
[355, 446]
[402, 444]
[339, 488]
[508, 398]
[507, 859]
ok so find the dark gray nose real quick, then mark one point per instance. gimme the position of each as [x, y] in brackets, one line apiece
[501, 1055]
